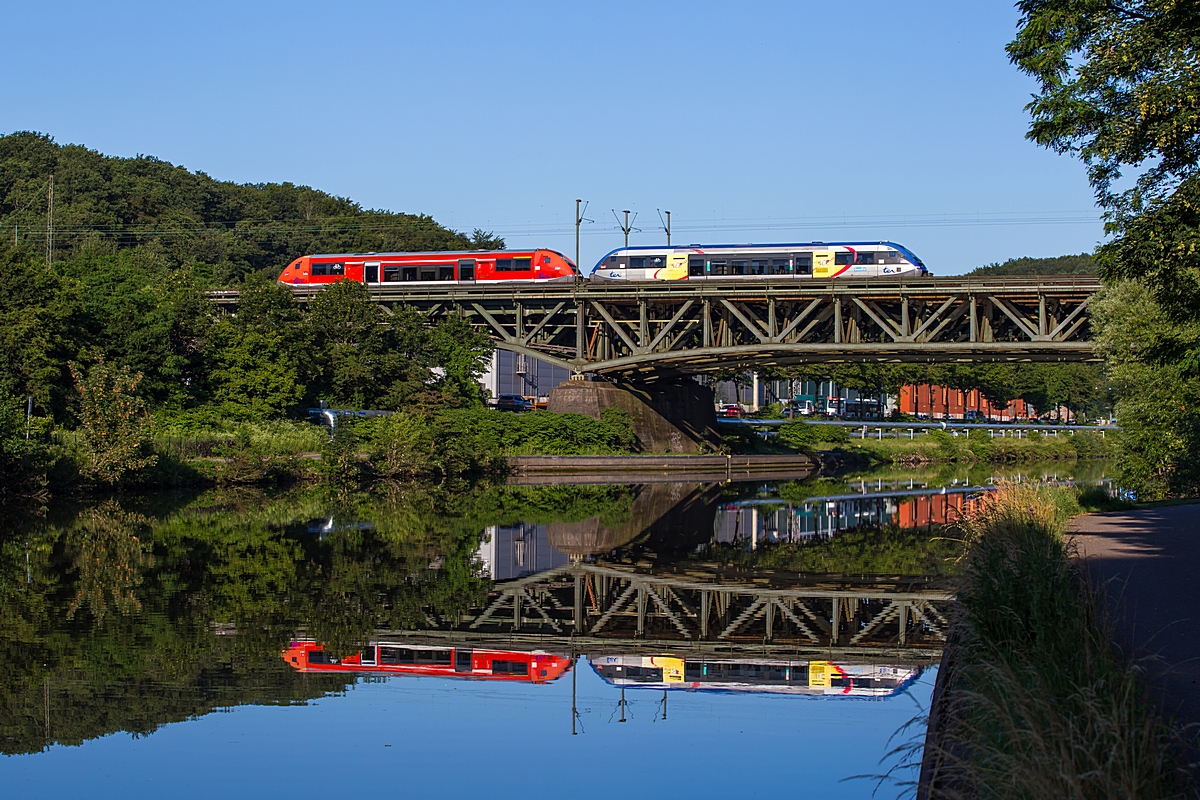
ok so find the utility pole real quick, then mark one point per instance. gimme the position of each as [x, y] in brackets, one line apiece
[627, 226]
[666, 225]
[579, 220]
[50, 222]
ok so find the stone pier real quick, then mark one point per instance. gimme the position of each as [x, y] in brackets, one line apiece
[667, 418]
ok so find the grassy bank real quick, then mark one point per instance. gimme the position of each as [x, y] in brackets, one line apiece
[1038, 703]
[942, 447]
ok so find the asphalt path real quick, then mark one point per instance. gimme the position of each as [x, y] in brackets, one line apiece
[1148, 561]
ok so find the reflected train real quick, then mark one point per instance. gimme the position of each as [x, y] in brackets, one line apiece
[470, 266]
[776, 676]
[388, 658]
[817, 260]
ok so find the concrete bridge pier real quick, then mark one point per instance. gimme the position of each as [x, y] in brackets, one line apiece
[667, 417]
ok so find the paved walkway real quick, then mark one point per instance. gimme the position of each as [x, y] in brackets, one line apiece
[1149, 560]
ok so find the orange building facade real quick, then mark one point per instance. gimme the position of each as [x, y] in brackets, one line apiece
[942, 402]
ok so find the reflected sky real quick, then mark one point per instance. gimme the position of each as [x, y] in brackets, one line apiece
[428, 736]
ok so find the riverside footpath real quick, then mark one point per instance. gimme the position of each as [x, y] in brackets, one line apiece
[1149, 563]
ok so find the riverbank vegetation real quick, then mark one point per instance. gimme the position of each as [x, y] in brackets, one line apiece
[1038, 703]
[944, 447]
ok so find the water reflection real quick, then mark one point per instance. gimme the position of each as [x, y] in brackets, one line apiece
[146, 611]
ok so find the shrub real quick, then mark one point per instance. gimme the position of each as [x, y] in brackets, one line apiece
[802, 435]
[115, 428]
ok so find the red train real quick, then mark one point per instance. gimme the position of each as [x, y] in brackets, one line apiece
[457, 267]
[386, 658]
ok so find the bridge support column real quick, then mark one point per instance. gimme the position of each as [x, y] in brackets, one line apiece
[667, 417]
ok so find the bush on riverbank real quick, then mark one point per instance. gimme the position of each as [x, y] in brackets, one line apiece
[476, 441]
[1038, 702]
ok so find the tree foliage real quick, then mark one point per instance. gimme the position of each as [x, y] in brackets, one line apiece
[115, 428]
[225, 230]
[1118, 87]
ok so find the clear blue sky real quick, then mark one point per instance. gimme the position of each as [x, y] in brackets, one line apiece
[771, 121]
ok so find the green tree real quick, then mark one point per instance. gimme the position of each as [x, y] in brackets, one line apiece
[115, 429]
[256, 354]
[1159, 405]
[1117, 87]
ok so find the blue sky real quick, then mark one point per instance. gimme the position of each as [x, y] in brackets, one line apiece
[757, 122]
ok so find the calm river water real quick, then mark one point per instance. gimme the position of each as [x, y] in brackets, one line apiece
[663, 638]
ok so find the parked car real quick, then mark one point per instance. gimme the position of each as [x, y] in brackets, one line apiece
[730, 410]
[973, 415]
[513, 402]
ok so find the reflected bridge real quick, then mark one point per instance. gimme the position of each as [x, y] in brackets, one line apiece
[703, 608]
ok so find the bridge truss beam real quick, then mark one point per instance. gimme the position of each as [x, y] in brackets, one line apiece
[645, 331]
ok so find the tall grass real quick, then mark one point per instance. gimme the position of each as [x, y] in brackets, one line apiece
[1039, 704]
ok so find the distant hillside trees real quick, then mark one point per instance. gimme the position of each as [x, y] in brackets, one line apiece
[1082, 264]
[223, 230]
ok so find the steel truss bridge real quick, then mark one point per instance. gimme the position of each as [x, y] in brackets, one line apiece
[643, 331]
[594, 607]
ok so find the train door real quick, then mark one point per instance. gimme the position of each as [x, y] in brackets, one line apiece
[466, 271]
[371, 272]
[676, 269]
[822, 264]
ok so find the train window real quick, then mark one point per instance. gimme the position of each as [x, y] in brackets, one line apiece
[843, 259]
[637, 263]
[437, 657]
[320, 269]
[513, 264]
[693, 671]
[391, 274]
[462, 660]
[696, 266]
[367, 656]
[408, 273]
[803, 263]
[865, 258]
[658, 262]
[428, 273]
[337, 269]
[892, 254]
[758, 266]
[395, 655]
[545, 261]
[509, 667]
[612, 262]
[718, 267]
[321, 657]
[738, 267]
[445, 273]
[781, 266]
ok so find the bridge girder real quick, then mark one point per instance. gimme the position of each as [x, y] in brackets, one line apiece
[645, 331]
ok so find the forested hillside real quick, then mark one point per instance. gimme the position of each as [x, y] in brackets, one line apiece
[177, 218]
[137, 241]
[1082, 264]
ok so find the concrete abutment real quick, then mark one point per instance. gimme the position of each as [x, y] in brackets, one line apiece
[667, 418]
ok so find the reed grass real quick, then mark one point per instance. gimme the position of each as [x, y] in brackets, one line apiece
[1039, 703]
